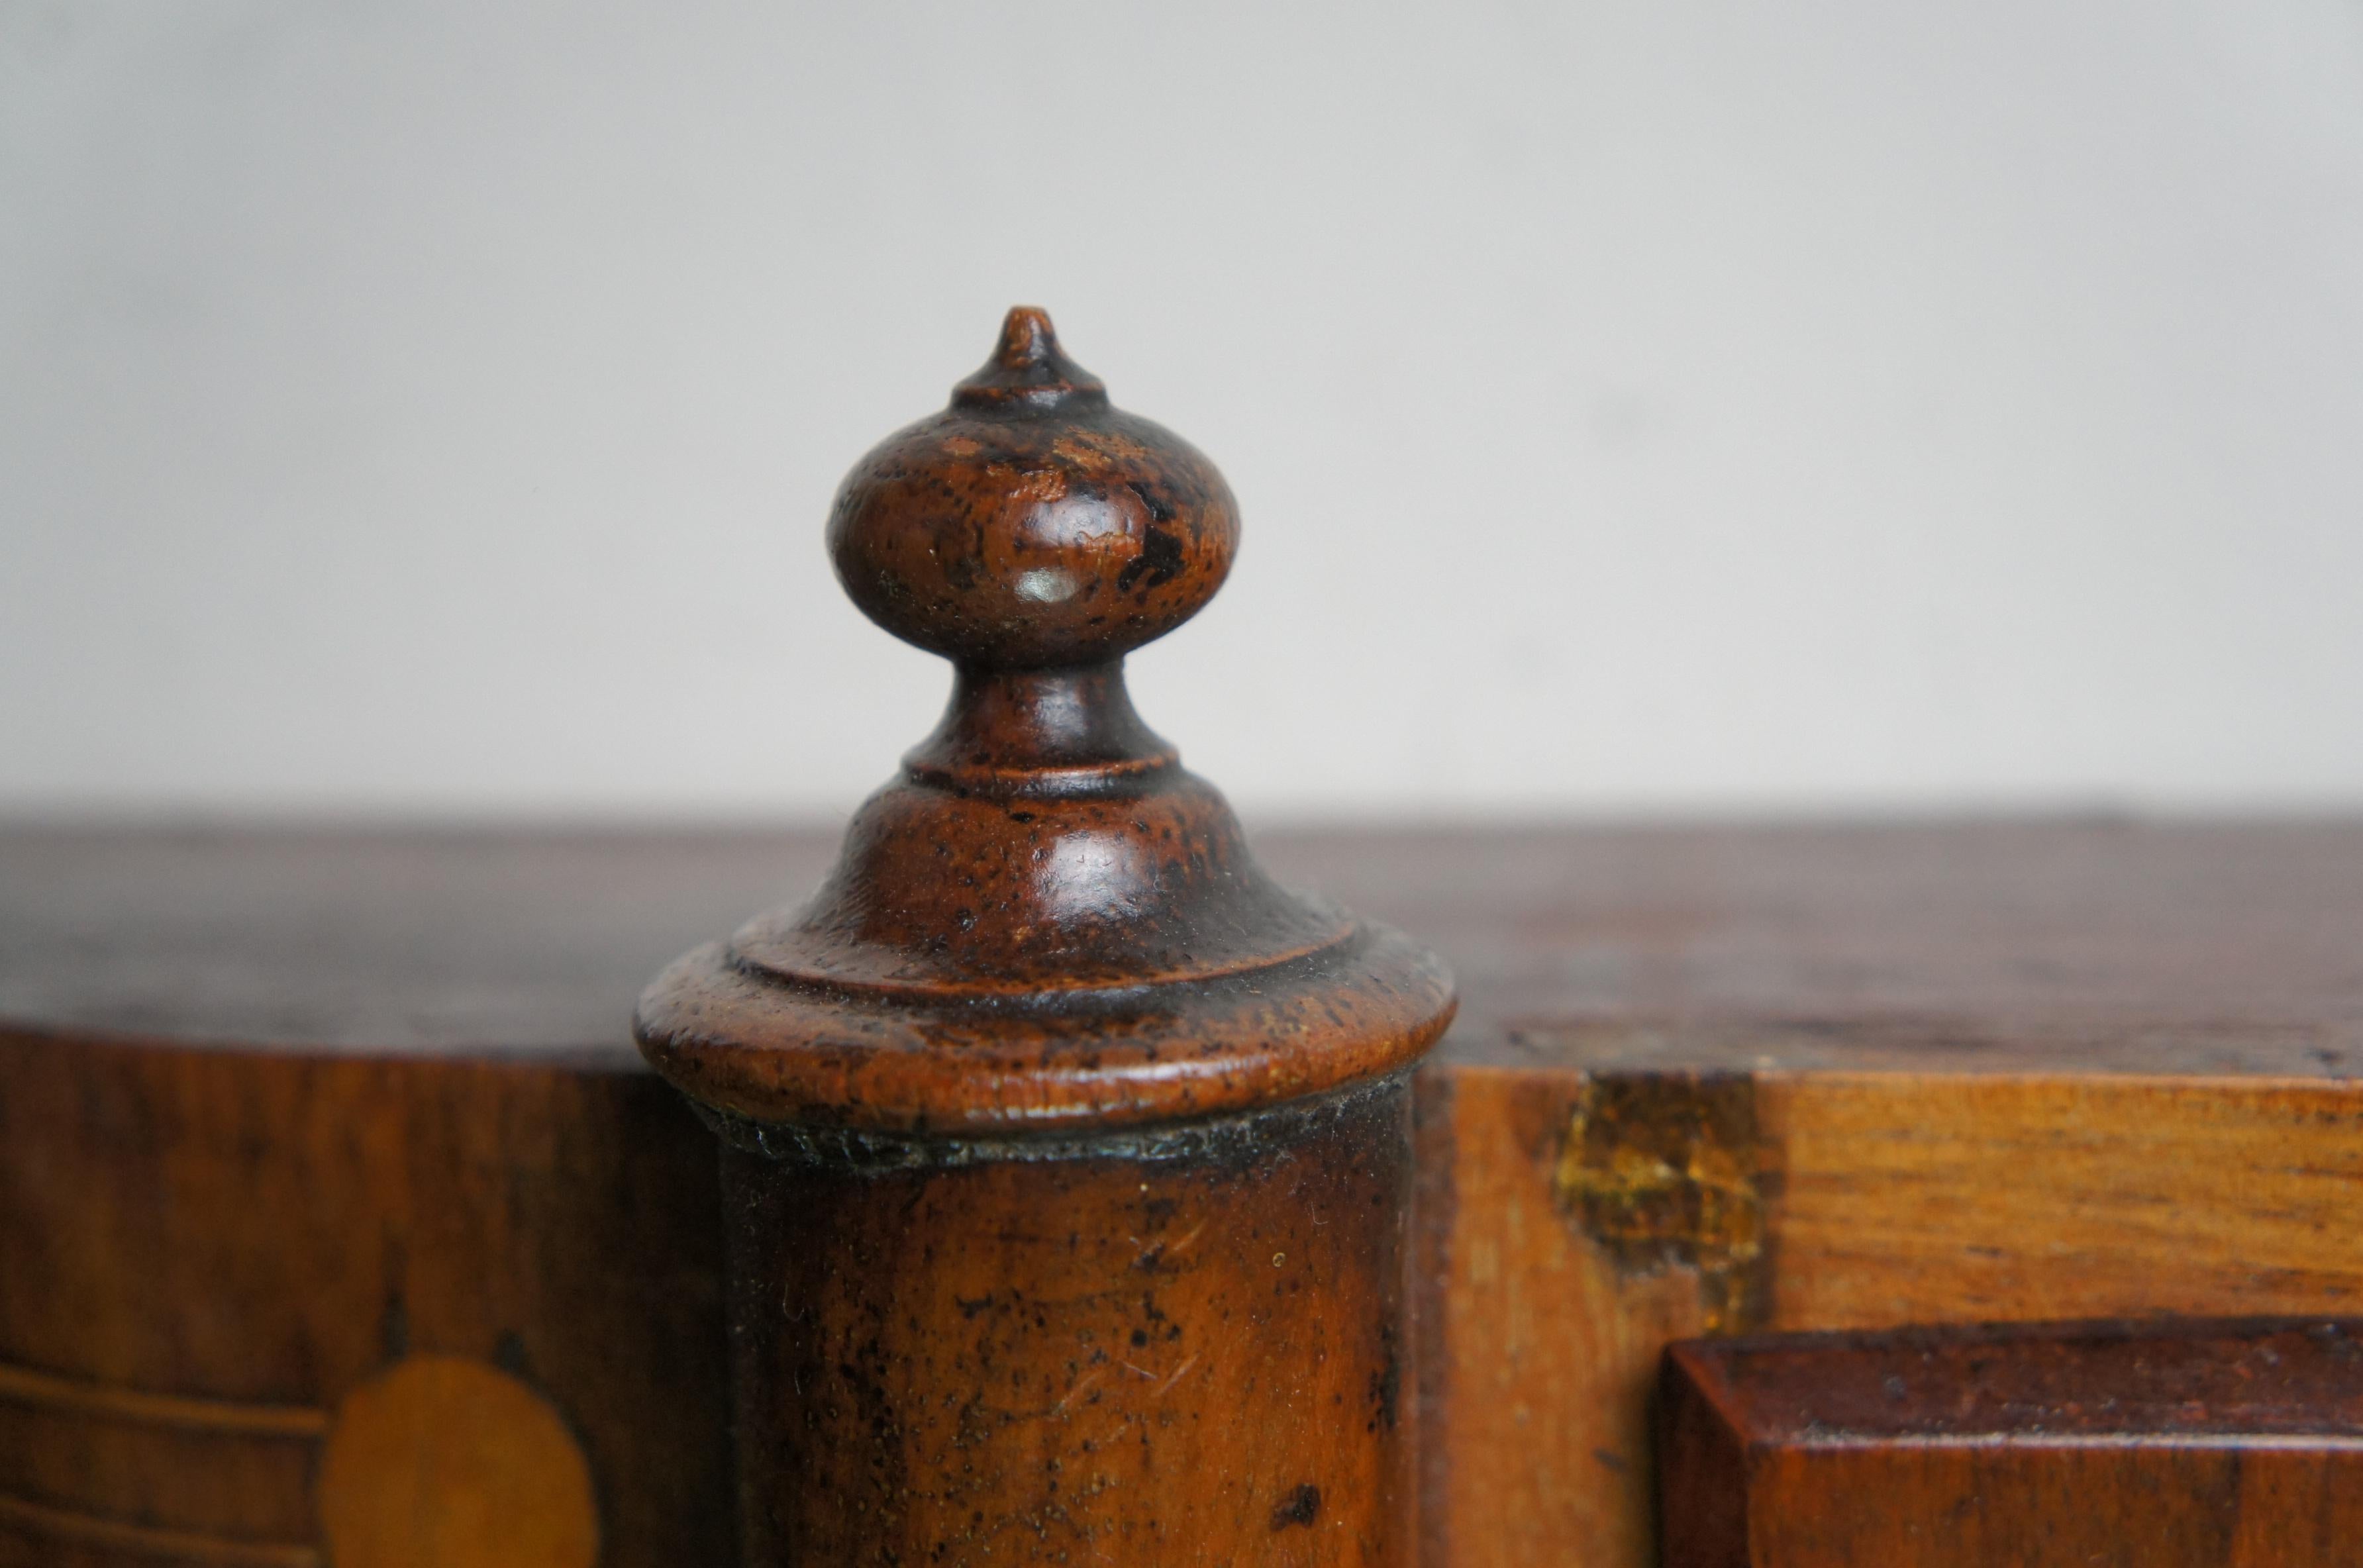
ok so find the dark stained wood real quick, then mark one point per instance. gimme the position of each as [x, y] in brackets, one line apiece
[1992, 1070]
[1068, 1181]
[2211, 1444]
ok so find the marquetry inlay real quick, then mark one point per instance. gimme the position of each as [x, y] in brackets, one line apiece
[447, 1461]
[439, 1460]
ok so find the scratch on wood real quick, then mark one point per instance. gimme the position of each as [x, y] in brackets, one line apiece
[1179, 1373]
[1667, 1170]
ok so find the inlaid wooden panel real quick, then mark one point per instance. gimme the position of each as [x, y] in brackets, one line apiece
[296, 1309]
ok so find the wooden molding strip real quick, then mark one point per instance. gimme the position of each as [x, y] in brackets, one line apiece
[23, 1386]
[87, 1530]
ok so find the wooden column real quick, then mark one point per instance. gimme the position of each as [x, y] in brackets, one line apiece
[1068, 1160]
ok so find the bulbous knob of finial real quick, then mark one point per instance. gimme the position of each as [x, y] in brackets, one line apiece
[1032, 525]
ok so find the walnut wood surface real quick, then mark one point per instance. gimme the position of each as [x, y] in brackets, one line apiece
[1937, 1073]
[2200, 1443]
[1977, 947]
[1141, 1360]
[294, 1310]
[1574, 1220]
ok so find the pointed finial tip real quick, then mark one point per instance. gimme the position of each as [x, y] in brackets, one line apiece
[1029, 370]
[1026, 336]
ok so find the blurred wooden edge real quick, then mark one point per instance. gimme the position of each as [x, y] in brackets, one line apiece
[2185, 1443]
[1573, 1223]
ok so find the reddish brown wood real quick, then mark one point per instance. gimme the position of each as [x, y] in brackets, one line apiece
[1176, 1351]
[1069, 1163]
[2189, 1443]
[302, 1311]
[1045, 921]
[1992, 1070]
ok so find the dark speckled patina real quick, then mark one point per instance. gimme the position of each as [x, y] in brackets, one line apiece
[1045, 923]
[1067, 1163]
[1090, 1359]
[1032, 525]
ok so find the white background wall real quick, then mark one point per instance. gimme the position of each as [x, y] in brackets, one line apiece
[1656, 405]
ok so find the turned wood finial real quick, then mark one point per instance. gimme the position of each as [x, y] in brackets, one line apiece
[1047, 978]
[1045, 922]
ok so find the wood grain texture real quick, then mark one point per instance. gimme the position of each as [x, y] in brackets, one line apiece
[2196, 1443]
[1973, 1054]
[1192, 1358]
[1888, 1198]
[210, 1254]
